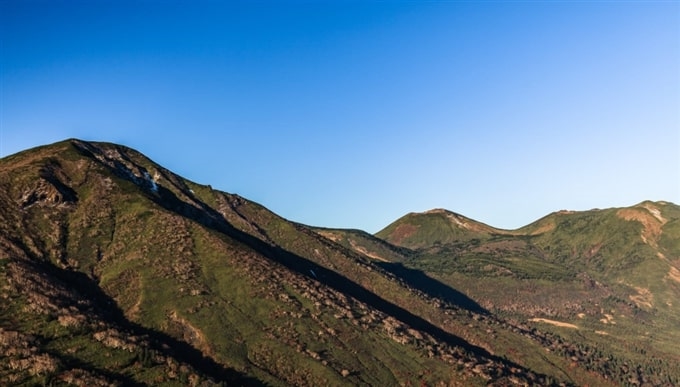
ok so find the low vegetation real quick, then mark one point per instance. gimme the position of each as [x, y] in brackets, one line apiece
[607, 275]
[115, 271]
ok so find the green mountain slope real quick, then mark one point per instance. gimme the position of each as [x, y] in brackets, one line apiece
[606, 277]
[434, 228]
[114, 270]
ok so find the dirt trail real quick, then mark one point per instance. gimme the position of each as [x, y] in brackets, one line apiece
[553, 322]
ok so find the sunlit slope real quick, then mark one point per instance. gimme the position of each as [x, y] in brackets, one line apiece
[607, 277]
[171, 266]
[115, 270]
[434, 228]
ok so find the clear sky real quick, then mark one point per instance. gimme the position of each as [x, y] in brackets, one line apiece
[353, 113]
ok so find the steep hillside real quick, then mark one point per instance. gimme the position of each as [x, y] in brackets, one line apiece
[606, 277]
[114, 270]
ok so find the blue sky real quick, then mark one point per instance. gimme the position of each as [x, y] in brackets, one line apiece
[351, 114]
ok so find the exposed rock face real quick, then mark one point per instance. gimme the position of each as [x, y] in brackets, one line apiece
[49, 190]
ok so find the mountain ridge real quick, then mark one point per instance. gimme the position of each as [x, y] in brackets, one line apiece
[466, 222]
[114, 270]
[612, 271]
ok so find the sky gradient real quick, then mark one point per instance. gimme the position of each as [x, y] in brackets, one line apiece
[351, 114]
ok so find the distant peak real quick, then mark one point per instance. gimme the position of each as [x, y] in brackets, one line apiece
[437, 211]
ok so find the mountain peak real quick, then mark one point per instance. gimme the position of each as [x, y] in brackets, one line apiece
[434, 227]
[436, 211]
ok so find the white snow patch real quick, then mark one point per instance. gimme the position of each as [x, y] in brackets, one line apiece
[154, 185]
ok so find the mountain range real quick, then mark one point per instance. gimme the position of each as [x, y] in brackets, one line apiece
[116, 271]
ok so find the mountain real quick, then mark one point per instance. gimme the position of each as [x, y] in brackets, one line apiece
[610, 277]
[434, 228]
[116, 271]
